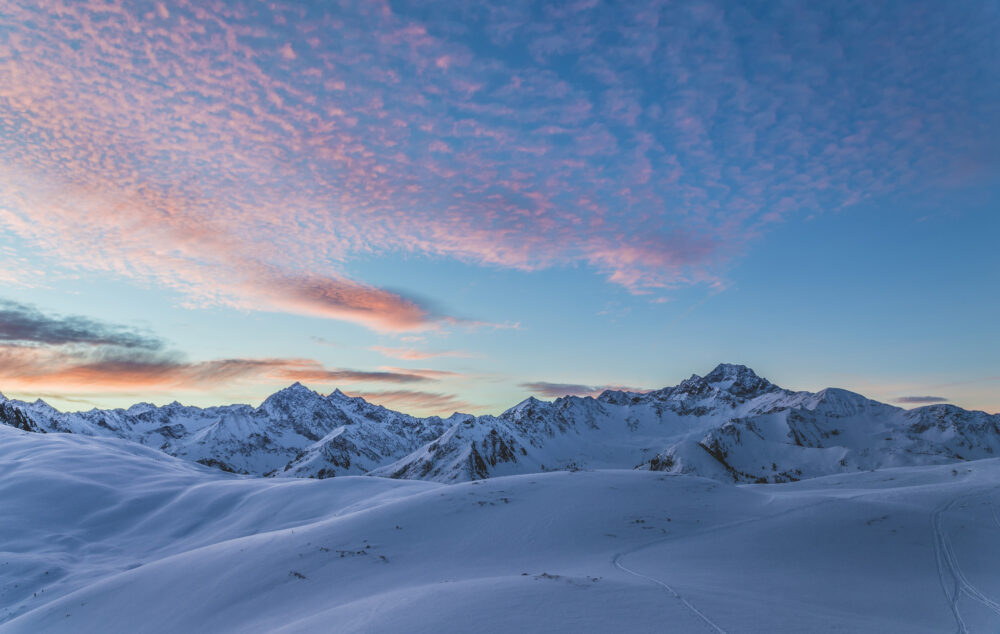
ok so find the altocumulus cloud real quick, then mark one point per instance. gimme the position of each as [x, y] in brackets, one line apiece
[644, 140]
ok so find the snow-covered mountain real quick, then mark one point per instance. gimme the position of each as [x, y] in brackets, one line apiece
[729, 425]
[295, 432]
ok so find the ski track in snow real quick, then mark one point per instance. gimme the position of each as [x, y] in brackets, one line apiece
[712, 624]
[701, 615]
[948, 566]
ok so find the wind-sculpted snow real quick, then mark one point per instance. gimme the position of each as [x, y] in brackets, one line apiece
[104, 535]
[730, 424]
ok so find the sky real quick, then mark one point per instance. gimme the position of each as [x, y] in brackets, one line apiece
[452, 206]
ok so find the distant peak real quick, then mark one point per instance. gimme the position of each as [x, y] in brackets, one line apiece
[839, 394]
[340, 397]
[295, 388]
[527, 405]
[725, 371]
[738, 379]
[528, 402]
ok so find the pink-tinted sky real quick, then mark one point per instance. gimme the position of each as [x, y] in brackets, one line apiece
[284, 175]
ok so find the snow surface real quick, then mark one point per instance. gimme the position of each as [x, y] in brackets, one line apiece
[730, 425]
[105, 535]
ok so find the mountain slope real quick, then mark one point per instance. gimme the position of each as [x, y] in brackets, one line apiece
[105, 535]
[730, 424]
[294, 432]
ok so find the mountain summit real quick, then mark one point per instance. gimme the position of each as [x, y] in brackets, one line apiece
[737, 379]
[730, 424]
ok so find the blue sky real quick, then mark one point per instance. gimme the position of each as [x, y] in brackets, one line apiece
[450, 208]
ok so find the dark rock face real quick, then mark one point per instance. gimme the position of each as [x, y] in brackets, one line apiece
[15, 417]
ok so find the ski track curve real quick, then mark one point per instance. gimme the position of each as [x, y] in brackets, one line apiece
[948, 566]
[701, 615]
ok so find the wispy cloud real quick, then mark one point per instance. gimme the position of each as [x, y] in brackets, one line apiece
[80, 355]
[555, 390]
[416, 402]
[424, 372]
[347, 300]
[921, 399]
[323, 341]
[76, 371]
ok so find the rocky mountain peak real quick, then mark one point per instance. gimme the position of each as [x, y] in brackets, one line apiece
[293, 396]
[737, 379]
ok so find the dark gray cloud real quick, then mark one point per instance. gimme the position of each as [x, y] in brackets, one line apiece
[555, 390]
[21, 323]
[38, 349]
[412, 401]
[921, 399]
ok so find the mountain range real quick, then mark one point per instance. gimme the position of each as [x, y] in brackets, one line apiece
[729, 425]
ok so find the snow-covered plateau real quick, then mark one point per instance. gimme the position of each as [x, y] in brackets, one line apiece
[724, 504]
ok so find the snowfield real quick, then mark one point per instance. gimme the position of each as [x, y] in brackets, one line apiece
[105, 535]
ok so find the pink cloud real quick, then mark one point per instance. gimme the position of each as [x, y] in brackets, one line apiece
[231, 154]
[81, 371]
[418, 402]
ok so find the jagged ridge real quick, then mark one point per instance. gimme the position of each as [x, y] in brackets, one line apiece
[730, 424]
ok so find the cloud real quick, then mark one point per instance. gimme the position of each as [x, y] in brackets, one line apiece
[66, 399]
[412, 354]
[323, 341]
[555, 390]
[416, 402]
[81, 355]
[921, 399]
[204, 154]
[306, 370]
[347, 300]
[430, 374]
[22, 323]
[74, 370]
